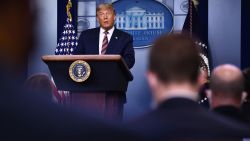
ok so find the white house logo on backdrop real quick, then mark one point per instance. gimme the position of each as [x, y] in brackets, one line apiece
[137, 18]
[144, 19]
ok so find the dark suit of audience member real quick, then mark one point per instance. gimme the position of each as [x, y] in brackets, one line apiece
[173, 74]
[231, 112]
[227, 92]
[26, 116]
[246, 103]
[93, 41]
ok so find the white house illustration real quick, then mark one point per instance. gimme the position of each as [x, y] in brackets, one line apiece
[137, 18]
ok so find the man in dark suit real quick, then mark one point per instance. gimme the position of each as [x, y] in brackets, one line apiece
[227, 92]
[173, 75]
[106, 39]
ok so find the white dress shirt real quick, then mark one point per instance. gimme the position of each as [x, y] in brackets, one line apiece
[101, 36]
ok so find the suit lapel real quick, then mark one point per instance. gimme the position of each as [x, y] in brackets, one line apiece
[96, 43]
[112, 49]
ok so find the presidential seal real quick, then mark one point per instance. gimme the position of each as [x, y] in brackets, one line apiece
[79, 71]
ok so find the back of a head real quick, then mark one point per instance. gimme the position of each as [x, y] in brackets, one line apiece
[227, 82]
[175, 58]
[16, 36]
[39, 84]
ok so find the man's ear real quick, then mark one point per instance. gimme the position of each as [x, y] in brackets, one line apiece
[209, 94]
[152, 79]
[243, 96]
[202, 78]
[209, 97]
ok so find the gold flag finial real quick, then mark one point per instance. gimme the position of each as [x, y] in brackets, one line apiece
[68, 7]
[196, 3]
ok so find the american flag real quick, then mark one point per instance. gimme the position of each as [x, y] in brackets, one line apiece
[196, 24]
[66, 45]
[68, 41]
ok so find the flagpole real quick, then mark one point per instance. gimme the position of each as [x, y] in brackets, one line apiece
[67, 44]
[190, 18]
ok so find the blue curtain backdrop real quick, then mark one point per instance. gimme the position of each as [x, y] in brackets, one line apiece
[245, 34]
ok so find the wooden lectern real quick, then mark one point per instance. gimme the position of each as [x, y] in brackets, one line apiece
[103, 92]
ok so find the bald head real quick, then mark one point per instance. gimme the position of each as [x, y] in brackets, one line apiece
[227, 81]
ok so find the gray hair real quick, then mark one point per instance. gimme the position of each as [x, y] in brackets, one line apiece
[105, 6]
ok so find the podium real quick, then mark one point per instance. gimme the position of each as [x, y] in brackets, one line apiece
[103, 93]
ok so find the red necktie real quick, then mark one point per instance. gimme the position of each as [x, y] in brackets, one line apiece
[105, 43]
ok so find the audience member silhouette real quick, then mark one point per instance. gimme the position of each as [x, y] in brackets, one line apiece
[39, 83]
[173, 74]
[227, 92]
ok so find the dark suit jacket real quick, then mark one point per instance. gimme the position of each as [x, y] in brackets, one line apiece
[120, 43]
[231, 112]
[180, 118]
[246, 110]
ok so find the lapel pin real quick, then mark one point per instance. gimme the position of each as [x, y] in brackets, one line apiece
[116, 37]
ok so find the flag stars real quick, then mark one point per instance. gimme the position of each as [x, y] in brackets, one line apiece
[68, 41]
